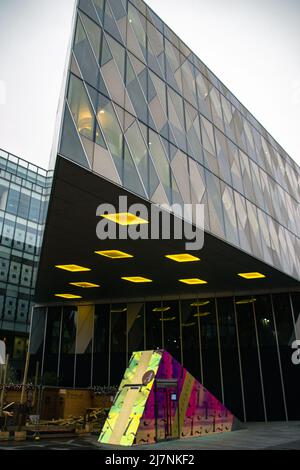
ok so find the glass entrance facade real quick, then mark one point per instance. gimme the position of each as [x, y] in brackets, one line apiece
[239, 348]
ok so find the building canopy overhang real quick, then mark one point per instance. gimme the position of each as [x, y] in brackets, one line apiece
[70, 238]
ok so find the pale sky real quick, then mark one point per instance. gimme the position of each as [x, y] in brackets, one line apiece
[253, 46]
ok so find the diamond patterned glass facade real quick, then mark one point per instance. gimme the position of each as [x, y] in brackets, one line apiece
[144, 112]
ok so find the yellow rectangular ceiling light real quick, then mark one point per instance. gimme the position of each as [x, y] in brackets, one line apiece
[252, 275]
[125, 218]
[193, 281]
[183, 258]
[136, 279]
[68, 296]
[73, 268]
[84, 285]
[113, 254]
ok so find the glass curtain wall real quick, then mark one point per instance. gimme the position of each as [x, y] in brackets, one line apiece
[239, 348]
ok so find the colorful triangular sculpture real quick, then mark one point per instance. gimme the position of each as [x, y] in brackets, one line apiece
[159, 399]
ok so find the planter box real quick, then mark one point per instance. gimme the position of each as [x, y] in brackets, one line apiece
[20, 435]
[4, 435]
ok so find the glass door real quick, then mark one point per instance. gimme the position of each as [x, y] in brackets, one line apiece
[167, 412]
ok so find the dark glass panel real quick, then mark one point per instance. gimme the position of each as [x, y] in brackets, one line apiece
[250, 359]
[118, 362]
[190, 329]
[24, 204]
[70, 145]
[286, 337]
[37, 339]
[68, 340]
[230, 357]
[171, 328]
[154, 325]
[13, 200]
[99, 6]
[210, 350]
[84, 345]
[269, 358]
[296, 310]
[101, 345]
[110, 23]
[88, 8]
[135, 327]
[34, 209]
[86, 59]
[52, 344]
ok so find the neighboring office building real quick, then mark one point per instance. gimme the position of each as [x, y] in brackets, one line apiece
[145, 118]
[24, 190]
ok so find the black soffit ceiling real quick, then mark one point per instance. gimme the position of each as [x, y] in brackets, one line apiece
[70, 238]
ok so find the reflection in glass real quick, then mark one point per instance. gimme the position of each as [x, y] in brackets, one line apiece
[37, 333]
[101, 345]
[171, 329]
[210, 349]
[154, 325]
[190, 333]
[286, 337]
[269, 358]
[52, 346]
[80, 107]
[68, 340]
[84, 345]
[135, 327]
[232, 380]
[249, 359]
[118, 326]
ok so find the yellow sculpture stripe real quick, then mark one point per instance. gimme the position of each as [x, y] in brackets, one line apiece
[115, 410]
[121, 425]
[183, 403]
[140, 402]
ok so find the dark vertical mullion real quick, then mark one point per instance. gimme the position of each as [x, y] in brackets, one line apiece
[259, 363]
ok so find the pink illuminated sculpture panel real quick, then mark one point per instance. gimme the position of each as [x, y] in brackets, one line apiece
[159, 399]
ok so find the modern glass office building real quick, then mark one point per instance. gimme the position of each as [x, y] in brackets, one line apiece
[24, 191]
[143, 117]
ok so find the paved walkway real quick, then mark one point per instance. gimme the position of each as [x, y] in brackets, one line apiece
[278, 435]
